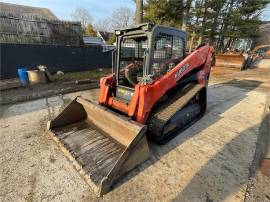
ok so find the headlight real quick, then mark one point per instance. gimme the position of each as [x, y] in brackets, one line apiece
[117, 32]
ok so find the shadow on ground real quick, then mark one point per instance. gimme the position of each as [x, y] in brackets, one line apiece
[262, 145]
[258, 187]
[216, 174]
[35, 105]
[220, 100]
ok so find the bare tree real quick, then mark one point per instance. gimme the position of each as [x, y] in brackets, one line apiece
[121, 17]
[82, 15]
[103, 25]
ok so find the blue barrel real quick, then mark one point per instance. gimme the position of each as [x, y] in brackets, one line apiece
[23, 76]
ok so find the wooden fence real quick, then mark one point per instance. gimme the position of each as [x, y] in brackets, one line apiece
[55, 58]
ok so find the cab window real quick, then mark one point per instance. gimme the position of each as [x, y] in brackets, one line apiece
[168, 52]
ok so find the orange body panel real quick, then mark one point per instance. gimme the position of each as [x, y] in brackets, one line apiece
[145, 96]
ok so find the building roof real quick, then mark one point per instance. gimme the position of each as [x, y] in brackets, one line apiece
[7, 9]
[92, 40]
[105, 35]
[30, 25]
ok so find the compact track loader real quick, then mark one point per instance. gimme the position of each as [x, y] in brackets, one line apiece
[155, 90]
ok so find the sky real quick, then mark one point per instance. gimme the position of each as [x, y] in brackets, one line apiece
[63, 9]
[266, 13]
[98, 9]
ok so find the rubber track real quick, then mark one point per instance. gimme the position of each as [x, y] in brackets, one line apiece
[166, 111]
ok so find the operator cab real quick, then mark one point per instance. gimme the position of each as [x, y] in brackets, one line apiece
[144, 53]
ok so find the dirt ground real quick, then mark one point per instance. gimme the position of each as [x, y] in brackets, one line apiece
[26, 93]
[258, 188]
[210, 161]
[12, 91]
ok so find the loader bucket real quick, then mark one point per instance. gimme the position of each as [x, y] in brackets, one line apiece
[230, 60]
[101, 144]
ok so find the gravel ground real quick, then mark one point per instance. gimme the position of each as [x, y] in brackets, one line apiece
[210, 161]
[259, 181]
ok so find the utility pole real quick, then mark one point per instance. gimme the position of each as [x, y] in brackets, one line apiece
[139, 12]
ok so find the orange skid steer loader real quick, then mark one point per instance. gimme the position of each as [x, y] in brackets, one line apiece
[155, 89]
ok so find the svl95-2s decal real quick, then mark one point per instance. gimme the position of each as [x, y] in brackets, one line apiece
[181, 70]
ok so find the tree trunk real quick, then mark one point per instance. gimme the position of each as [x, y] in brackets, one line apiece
[200, 40]
[214, 27]
[203, 23]
[187, 5]
[220, 43]
[139, 12]
[191, 41]
[184, 23]
[226, 24]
